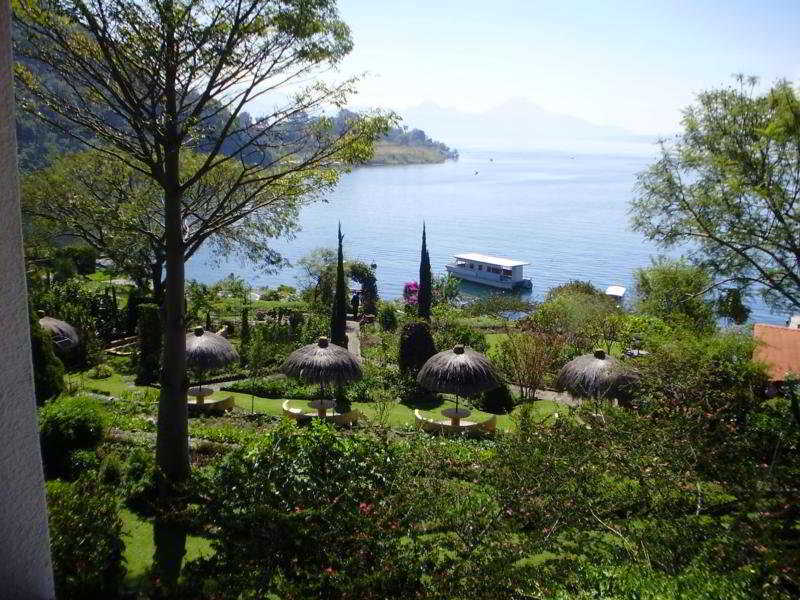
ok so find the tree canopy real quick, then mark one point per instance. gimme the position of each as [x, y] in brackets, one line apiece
[727, 189]
[677, 292]
[120, 212]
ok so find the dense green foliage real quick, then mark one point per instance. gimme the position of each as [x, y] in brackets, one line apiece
[135, 298]
[387, 317]
[633, 507]
[339, 308]
[68, 424]
[499, 401]
[86, 540]
[83, 257]
[529, 359]
[709, 379]
[576, 317]
[149, 355]
[574, 286]
[446, 289]
[676, 292]
[416, 347]
[48, 370]
[425, 293]
[726, 189]
[449, 331]
[90, 312]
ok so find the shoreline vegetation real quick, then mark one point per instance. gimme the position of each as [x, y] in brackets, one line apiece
[389, 154]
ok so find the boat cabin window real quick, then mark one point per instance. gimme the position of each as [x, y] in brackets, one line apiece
[480, 267]
[461, 263]
[507, 272]
[471, 265]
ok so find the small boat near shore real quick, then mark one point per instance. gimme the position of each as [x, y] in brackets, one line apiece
[494, 271]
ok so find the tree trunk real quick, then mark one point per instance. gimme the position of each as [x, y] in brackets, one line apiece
[172, 442]
[172, 439]
[158, 286]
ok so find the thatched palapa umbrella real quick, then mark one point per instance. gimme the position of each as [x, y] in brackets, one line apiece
[460, 371]
[65, 337]
[323, 363]
[206, 350]
[596, 376]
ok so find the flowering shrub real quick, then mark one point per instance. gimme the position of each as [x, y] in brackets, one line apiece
[411, 292]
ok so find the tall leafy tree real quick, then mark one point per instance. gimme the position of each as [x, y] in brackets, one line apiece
[339, 309]
[120, 212]
[727, 188]
[143, 82]
[677, 292]
[425, 294]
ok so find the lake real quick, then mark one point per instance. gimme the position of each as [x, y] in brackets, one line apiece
[565, 212]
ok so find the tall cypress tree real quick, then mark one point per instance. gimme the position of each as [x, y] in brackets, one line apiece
[425, 294]
[339, 311]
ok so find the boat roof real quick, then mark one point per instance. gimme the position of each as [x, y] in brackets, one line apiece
[615, 290]
[492, 260]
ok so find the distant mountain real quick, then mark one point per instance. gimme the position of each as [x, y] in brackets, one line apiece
[516, 123]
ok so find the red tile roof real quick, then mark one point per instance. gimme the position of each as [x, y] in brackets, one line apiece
[779, 348]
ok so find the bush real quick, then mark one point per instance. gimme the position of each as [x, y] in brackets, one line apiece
[149, 359]
[83, 462]
[135, 298]
[271, 295]
[48, 370]
[450, 333]
[139, 483]
[574, 286]
[416, 346]
[387, 317]
[68, 424]
[362, 391]
[498, 401]
[677, 292]
[295, 503]
[528, 359]
[111, 470]
[101, 371]
[710, 379]
[315, 327]
[85, 540]
[83, 257]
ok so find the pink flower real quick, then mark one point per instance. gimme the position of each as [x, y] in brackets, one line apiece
[410, 292]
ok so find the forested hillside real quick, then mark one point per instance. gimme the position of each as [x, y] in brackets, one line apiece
[39, 142]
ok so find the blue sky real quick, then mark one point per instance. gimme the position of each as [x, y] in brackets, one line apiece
[628, 64]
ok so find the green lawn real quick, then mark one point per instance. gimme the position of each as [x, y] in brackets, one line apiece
[139, 548]
[396, 415]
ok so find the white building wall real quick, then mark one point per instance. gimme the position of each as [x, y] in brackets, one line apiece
[25, 569]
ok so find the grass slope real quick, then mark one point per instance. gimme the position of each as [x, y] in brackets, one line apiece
[139, 548]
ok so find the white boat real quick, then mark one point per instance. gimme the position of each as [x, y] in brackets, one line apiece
[495, 271]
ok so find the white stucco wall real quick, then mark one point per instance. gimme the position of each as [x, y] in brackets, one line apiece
[25, 569]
